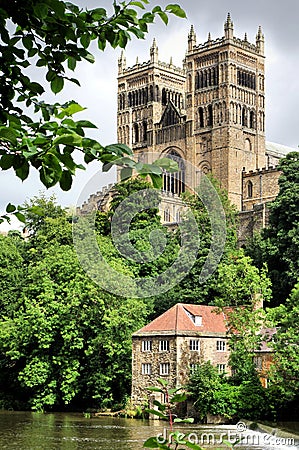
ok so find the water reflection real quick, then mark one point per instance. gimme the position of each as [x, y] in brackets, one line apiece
[32, 431]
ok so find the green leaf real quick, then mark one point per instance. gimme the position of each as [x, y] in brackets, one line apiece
[154, 389]
[176, 10]
[20, 216]
[23, 171]
[32, 52]
[163, 16]
[86, 124]
[27, 42]
[126, 173]
[162, 381]
[156, 413]
[152, 442]
[41, 10]
[167, 164]
[8, 134]
[85, 40]
[66, 180]
[71, 63]
[68, 139]
[118, 149]
[98, 13]
[10, 208]
[189, 420]
[57, 84]
[177, 398]
[89, 57]
[71, 109]
[138, 4]
[157, 181]
[6, 161]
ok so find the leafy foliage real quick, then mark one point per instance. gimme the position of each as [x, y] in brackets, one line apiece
[64, 342]
[55, 35]
[285, 373]
[278, 245]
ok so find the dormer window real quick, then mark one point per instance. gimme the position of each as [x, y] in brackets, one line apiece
[198, 321]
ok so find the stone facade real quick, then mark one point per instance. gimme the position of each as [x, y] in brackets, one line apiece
[184, 336]
[210, 113]
[209, 116]
[172, 345]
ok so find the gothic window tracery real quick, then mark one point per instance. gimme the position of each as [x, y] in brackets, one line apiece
[175, 182]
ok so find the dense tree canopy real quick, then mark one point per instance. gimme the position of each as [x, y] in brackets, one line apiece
[64, 341]
[278, 244]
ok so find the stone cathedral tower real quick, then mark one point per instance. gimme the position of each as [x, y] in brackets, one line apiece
[210, 112]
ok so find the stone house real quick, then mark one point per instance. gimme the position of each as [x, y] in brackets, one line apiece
[174, 343]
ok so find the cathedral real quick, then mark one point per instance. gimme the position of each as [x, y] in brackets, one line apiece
[211, 113]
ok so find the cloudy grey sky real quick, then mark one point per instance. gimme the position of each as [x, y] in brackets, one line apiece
[279, 21]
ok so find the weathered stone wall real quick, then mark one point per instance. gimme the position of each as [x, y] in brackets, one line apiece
[179, 356]
[251, 222]
[260, 186]
[155, 358]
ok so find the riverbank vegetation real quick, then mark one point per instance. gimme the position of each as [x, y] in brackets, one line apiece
[65, 343]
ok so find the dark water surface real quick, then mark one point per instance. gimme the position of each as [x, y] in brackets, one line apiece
[61, 431]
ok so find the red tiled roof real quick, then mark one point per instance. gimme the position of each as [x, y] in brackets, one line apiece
[180, 318]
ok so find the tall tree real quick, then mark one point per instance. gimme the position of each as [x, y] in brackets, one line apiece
[285, 370]
[278, 245]
[67, 343]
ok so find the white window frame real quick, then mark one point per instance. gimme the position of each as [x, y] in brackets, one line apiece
[193, 367]
[194, 345]
[164, 345]
[146, 345]
[164, 368]
[146, 369]
[221, 368]
[221, 346]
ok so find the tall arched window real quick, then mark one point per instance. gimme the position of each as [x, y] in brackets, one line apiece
[249, 189]
[244, 117]
[136, 132]
[175, 182]
[166, 215]
[144, 131]
[252, 119]
[201, 117]
[164, 97]
[210, 116]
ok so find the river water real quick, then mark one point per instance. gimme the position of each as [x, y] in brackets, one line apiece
[61, 431]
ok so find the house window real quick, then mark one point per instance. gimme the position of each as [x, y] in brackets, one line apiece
[146, 346]
[163, 346]
[194, 345]
[221, 346]
[146, 369]
[164, 369]
[193, 368]
[258, 362]
[221, 368]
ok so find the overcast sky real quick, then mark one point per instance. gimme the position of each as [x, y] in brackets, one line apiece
[279, 21]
